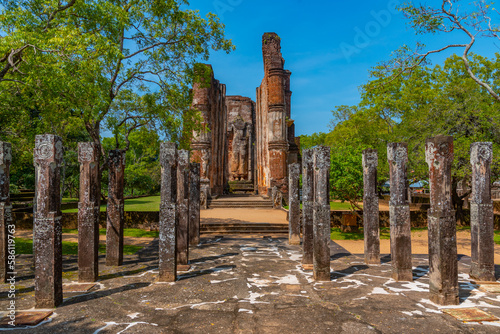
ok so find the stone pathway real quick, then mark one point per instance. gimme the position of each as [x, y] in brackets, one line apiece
[253, 284]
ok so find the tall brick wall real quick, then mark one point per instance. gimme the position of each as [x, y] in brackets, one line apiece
[275, 130]
[243, 140]
[209, 146]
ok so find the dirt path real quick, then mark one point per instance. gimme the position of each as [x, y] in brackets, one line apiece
[246, 215]
[129, 241]
[419, 244]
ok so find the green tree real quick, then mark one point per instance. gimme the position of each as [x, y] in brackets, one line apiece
[422, 104]
[476, 20]
[107, 64]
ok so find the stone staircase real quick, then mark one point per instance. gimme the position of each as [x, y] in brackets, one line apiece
[241, 187]
[240, 201]
[243, 228]
[237, 226]
[22, 200]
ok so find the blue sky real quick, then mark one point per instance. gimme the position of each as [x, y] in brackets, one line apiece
[314, 39]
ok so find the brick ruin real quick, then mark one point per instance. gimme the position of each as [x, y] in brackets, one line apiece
[245, 146]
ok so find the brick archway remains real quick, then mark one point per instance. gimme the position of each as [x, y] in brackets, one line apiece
[246, 146]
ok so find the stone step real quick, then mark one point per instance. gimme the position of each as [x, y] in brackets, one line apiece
[243, 228]
[238, 205]
[21, 198]
[241, 186]
[238, 231]
[243, 225]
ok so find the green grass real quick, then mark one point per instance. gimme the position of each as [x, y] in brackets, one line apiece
[69, 200]
[386, 234]
[128, 232]
[151, 203]
[147, 204]
[25, 246]
[337, 235]
[339, 206]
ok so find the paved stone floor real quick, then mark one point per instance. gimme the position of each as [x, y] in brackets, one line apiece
[253, 284]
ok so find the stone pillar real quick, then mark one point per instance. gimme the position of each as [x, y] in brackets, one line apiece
[183, 207]
[168, 217]
[114, 231]
[481, 214]
[194, 204]
[88, 213]
[5, 208]
[443, 266]
[47, 228]
[399, 212]
[307, 208]
[321, 229]
[293, 204]
[370, 207]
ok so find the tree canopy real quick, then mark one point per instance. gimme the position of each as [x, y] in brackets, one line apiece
[101, 67]
[428, 101]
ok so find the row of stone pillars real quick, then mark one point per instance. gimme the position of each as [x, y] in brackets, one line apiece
[315, 210]
[443, 265]
[179, 214]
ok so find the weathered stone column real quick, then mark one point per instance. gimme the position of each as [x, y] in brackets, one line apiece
[321, 229]
[47, 229]
[115, 209]
[307, 208]
[481, 214]
[194, 204]
[5, 208]
[168, 216]
[443, 266]
[183, 208]
[293, 204]
[370, 207]
[88, 213]
[399, 213]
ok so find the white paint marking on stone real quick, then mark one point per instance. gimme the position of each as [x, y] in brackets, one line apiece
[221, 281]
[415, 286]
[252, 299]
[412, 313]
[49, 319]
[295, 256]
[246, 248]
[356, 284]
[257, 282]
[133, 315]
[129, 325]
[152, 271]
[191, 306]
[245, 310]
[298, 296]
[429, 310]
[491, 323]
[379, 291]
[288, 279]
[361, 298]
[465, 304]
